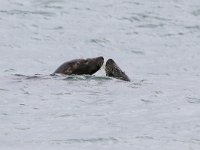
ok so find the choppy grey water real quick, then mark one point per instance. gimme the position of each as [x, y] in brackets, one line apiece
[157, 44]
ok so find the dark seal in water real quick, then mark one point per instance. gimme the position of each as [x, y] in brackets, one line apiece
[81, 66]
[112, 70]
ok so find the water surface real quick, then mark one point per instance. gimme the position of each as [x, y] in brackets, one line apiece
[155, 42]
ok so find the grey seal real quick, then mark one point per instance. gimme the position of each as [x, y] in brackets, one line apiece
[80, 66]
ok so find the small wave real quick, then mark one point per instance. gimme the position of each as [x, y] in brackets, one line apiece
[89, 140]
[87, 77]
[62, 77]
[150, 25]
[1, 89]
[196, 12]
[32, 77]
[137, 52]
[24, 12]
[193, 100]
[101, 42]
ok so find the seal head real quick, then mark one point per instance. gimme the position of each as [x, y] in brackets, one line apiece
[113, 70]
[81, 66]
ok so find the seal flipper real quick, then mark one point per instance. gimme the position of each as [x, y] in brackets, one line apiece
[113, 70]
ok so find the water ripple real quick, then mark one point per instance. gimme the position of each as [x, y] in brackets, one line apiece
[89, 140]
[196, 12]
[24, 12]
[193, 100]
[101, 42]
[1, 89]
[151, 25]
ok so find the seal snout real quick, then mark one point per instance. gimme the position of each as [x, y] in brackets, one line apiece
[100, 60]
[110, 62]
[101, 57]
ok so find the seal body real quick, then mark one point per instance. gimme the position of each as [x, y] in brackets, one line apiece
[113, 70]
[81, 66]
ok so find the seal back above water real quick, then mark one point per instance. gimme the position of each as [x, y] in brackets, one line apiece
[113, 70]
[81, 66]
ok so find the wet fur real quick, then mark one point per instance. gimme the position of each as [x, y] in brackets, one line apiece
[81, 66]
[113, 70]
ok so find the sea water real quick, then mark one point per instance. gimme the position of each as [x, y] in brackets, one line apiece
[155, 42]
